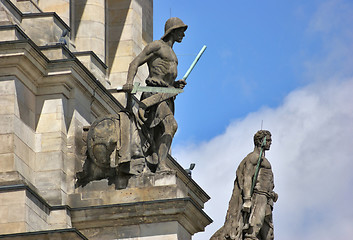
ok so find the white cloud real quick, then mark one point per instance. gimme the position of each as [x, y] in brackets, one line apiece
[311, 158]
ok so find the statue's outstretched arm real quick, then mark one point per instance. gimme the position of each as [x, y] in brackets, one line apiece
[147, 53]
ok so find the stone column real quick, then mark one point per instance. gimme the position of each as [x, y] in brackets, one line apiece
[17, 158]
[129, 29]
[50, 176]
[17, 137]
[88, 26]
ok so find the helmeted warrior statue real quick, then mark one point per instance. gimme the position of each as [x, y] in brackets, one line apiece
[249, 214]
[162, 65]
[139, 142]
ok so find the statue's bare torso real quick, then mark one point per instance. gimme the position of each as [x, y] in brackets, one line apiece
[162, 65]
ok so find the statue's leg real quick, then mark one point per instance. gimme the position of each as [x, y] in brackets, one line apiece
[165, 140]
[257, 217]
[124, 133]
[267, 228]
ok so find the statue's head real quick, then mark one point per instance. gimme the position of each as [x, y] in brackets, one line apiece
[259, 136]
[176, 26]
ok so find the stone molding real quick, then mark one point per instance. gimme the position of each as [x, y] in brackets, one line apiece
[45, 69]
[182, 210]
[66, 233]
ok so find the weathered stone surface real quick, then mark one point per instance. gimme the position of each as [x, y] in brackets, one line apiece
[27, 6]
[12, 211]
[7, 162]
[121, 64]
[23, 210]
[154, 231]
[89, 26]
[5, 18]
[56, 52]
[95, 65]
[13, 227]
[60, 219]
[43, 28]
[53, 141]
[8, 35]
[9, 198]
[145, 187]
[93, 44]
[46, 161]
[6, 143]
[61, 7]
[182, 211]
[127, 21]
[23, 169]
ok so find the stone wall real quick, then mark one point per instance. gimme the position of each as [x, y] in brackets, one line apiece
[52, 87]
[45, 104]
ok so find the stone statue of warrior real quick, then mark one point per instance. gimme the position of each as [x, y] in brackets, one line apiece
[249, 215]
[143, 146]
[162, 65]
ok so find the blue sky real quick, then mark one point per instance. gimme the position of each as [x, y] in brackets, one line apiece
[290, 65]
[254, 50]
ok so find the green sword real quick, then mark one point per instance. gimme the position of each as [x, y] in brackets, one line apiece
[194, 62]
[257, 167]
[246, 215]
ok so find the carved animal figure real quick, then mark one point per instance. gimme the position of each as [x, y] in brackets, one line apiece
[117, 148]
[102, 139]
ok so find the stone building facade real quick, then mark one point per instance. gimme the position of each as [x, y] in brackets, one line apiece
[59, 59]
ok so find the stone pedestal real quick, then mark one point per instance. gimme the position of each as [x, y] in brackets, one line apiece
[164, 205]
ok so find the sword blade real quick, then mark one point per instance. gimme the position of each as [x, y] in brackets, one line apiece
[157, 90]
[194, 63]
[138, 88]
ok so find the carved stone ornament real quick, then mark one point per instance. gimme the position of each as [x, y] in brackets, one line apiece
[114, 151]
